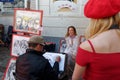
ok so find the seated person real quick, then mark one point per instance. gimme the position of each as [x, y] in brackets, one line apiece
[33, 66]
[72, 42]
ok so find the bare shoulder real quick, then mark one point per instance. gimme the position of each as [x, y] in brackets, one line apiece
[86, 46]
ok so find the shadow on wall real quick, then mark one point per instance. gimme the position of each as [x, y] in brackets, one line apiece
[55, 40]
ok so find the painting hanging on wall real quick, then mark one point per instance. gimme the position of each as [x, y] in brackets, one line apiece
[19, 45]
[28, 21]
[7, 6]
[65, 7]
[10, 70]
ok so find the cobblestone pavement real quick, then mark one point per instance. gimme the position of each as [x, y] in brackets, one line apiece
[4, 59]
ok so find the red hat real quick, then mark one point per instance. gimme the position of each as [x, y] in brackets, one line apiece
[101, 8]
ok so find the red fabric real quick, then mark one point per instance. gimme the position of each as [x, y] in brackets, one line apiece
[91, 46]
[101, 8]
[99, 66]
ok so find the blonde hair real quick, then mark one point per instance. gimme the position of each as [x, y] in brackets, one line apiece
[97, 26]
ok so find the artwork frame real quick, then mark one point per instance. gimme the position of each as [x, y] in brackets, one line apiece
[9, 72]
[65, 7]
[19, 44]
[28, 21]
[63, 45]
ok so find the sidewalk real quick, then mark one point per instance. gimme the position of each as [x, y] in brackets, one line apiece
[4, 58]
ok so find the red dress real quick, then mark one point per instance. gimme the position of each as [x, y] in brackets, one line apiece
[99, 66]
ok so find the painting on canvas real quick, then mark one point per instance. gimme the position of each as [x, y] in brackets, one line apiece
[28, 21]
[19, 45]
[10, 70]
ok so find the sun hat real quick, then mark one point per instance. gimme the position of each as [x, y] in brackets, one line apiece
[37, 39]
[101, 8]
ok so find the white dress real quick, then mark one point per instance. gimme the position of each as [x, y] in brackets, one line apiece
[72, 45]
[71, 48]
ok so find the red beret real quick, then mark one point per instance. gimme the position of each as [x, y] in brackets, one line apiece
[101, 8]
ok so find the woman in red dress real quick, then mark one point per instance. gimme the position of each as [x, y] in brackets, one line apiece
[98, 58]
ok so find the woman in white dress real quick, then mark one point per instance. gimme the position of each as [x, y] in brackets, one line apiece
[72, 42]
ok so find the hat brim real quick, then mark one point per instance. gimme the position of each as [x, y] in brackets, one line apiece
[43, 44]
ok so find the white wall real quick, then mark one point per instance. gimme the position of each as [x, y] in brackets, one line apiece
[55, 25]
[6, 21]
[58, 26]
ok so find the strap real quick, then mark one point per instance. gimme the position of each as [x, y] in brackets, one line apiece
[91, 46]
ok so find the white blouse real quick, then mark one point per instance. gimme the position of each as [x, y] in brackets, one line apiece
[72, 45]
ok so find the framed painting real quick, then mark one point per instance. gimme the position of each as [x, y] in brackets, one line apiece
[19, 45]
[28, 21]
[9, 72]
[7, 6]
[65, 7]
[63, 45]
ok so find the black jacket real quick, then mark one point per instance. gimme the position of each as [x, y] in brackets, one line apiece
[33, 66]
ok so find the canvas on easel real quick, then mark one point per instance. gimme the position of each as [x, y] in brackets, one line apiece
[28, 21]
[10, 70]
[19, 45]
[52, 56]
